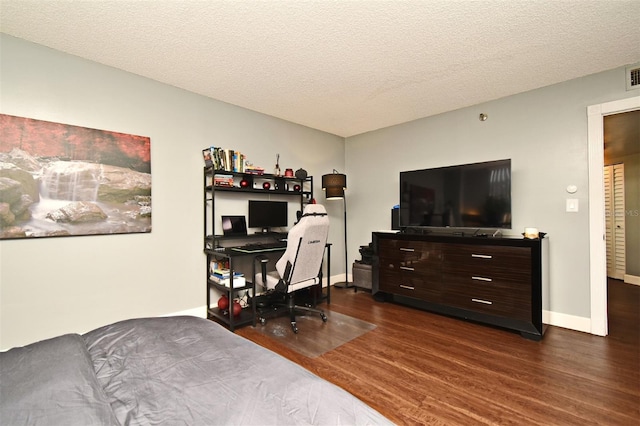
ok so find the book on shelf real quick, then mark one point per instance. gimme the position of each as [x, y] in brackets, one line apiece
[208, 159]
[218, 158]
[225, 273]
[218, 265]
[229, 160]
[236, 161]
[223, 180]
[253, 170]
[238, 280]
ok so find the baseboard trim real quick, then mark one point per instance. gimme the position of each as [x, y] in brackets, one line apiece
[571, 322]
[201, 311]
[555, 319]
[632, 279]
[340, 278]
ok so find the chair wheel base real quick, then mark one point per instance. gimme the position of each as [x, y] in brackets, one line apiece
[264, 313]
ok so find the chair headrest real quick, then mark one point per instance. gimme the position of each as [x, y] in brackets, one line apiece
[314, 210]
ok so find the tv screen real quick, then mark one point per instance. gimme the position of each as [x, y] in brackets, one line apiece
[268, 214]
[474, 195]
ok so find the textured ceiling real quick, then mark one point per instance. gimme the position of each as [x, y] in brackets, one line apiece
[344, 67]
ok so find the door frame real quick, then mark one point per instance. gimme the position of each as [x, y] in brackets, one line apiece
[597, 245]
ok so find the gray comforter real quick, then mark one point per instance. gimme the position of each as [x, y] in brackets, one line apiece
[174, 371]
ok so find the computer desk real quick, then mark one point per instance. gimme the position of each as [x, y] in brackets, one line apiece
[236, 254]
[260, 247]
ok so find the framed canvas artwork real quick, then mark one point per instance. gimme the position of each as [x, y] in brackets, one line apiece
[61, 180]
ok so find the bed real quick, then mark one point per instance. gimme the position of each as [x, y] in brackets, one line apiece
[175, 371]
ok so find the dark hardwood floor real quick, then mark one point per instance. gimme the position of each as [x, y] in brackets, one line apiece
[421, 368]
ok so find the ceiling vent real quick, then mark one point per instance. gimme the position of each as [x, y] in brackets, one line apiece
[632, 75]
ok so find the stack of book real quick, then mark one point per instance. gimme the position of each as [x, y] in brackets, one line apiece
[223, 276]
[223, 180]
[253, 170]
[218, 264]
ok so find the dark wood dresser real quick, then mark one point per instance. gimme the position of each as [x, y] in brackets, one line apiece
[496, 281]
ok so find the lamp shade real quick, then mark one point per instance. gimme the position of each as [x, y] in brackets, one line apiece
[334, 185]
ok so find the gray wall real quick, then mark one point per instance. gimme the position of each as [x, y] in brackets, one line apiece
[51, 286]
[543, 131]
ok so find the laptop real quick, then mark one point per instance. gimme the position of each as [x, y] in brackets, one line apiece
[234, 226]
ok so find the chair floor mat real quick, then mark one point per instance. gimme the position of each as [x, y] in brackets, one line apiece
[315, 337]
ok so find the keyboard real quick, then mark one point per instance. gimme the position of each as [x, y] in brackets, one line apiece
[260, 247]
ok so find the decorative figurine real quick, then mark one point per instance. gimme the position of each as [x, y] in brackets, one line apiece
[277, 169]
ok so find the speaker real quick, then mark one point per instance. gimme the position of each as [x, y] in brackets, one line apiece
[395, 219]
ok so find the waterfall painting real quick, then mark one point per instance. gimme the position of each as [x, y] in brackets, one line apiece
[61, 180]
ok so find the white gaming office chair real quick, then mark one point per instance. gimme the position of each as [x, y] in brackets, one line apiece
[301, 264]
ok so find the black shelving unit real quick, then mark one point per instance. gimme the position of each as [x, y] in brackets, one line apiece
[278, 185]
[248, 184]
[247, 315]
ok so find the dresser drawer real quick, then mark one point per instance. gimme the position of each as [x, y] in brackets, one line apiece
[405, 248]
[412, 284]
[428, 265]
[491, 262]
[410, 256]
[410, 268]
[496, 297]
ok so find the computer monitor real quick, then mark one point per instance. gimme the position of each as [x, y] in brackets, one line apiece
[234, 226]
[268, 214]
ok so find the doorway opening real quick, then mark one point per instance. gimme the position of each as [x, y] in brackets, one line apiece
[597, 244]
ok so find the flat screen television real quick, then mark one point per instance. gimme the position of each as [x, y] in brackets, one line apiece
[268, 214]
[476, 195]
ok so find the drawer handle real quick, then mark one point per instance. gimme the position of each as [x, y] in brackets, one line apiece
[408, 287]
[486, 302]
[482, 256]
[481, 279]
[407, 268]
[407, 249]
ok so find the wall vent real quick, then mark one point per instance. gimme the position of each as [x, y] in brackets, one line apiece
[632, 76]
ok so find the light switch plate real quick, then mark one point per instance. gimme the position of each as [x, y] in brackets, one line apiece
[572, 205]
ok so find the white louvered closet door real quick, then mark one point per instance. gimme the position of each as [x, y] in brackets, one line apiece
[614, 214]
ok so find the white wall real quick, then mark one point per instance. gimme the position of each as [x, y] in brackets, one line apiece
[543, 131]
[50, 286]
